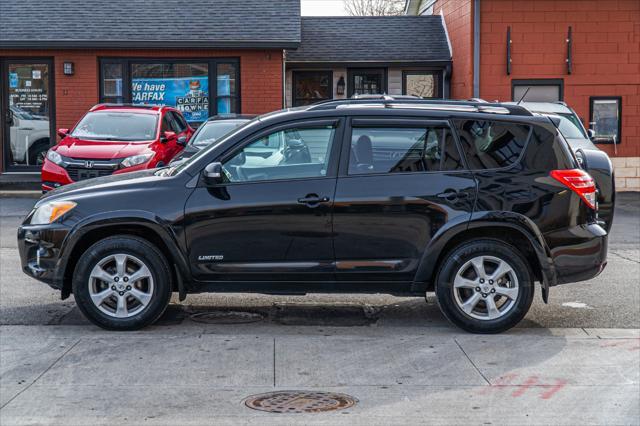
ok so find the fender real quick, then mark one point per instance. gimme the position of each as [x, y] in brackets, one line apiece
[477, 220]
[128, 217]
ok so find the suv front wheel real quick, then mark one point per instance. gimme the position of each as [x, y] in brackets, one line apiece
[122, 283]
[484, 286]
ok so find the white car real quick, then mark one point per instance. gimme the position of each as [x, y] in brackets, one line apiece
[29, 135]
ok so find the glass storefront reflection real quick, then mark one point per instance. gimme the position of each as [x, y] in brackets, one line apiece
[28, 113]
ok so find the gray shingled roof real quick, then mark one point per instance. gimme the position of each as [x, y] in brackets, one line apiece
[372, 39]
[149, 23]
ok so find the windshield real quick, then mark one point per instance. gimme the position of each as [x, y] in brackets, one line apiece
[117, 126]
[570, 126]
[177, 169]
[211, 131]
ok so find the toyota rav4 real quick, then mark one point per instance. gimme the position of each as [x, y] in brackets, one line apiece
[476, 202]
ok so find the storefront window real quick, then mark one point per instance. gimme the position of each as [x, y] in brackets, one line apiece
[311, 87]
[227, 90]
[424, 84]
[197, 88]
[112, 74]
[605, 120]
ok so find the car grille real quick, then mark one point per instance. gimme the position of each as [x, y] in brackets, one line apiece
[82, 173]
[78, 170]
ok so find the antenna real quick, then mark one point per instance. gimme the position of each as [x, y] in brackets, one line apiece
[525, 94]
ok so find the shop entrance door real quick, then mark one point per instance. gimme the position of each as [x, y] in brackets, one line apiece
[27, 111]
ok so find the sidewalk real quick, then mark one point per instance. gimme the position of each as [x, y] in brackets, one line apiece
[196, 374]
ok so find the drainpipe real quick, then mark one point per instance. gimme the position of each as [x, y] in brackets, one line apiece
[284, 79]
[476, 48]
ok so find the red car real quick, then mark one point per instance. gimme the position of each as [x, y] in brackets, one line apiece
[115, 138]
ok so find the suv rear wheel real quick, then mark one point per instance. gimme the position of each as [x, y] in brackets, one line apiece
[122, 283]
[484, 286]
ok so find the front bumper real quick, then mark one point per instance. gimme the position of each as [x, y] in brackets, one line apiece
[40, 248]
[578, 253]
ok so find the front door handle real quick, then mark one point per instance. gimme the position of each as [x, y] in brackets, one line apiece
[312, 200]
[452, 195]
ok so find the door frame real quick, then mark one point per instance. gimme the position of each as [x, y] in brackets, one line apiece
[4, 105]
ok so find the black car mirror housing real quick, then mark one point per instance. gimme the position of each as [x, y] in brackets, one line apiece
[212, 174]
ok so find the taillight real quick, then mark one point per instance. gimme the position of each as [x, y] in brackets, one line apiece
[579, 182]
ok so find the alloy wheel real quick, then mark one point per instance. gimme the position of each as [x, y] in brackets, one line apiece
[121, 285]
[486, 288]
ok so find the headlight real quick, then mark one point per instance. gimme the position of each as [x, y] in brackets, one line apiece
[135, 160]
[51, 211]
[54, 157]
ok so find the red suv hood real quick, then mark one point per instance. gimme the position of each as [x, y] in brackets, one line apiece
[100, 150]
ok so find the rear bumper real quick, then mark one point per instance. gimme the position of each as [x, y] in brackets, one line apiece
[578, 253]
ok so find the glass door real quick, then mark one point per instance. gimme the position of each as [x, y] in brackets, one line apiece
[367, 81]
[27, 108]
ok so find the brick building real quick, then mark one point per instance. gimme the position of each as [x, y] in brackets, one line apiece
[60, 58]
[583, 52]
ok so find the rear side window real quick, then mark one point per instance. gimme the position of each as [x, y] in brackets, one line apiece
[491, 144]
[402, 150]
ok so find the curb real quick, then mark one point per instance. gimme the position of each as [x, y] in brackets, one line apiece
[21, 194]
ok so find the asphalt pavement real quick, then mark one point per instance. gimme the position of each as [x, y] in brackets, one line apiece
[573, 361]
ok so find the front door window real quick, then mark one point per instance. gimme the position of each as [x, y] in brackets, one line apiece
[28, 112]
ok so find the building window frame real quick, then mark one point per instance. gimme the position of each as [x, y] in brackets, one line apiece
[538, 82]
[352, 72]
[437, 76]
[295, 74]
[604, 139]
[212, 63]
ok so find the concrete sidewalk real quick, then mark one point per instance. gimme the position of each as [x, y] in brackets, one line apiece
[197, 374]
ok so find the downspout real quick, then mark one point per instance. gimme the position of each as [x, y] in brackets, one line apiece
[284, 79]
[476, 48]
[446, 73]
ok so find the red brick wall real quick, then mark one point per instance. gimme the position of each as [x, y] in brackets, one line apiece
[606, 53]
[458, 15]
[260, 77]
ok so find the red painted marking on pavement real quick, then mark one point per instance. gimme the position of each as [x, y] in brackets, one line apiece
[532, 380]
[500, 381]
[553, 389]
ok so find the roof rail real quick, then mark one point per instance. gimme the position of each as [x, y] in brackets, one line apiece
[398, 102]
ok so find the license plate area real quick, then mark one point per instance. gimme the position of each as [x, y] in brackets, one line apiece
[87, 174]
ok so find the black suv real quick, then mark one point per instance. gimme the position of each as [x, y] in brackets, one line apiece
[474, 201]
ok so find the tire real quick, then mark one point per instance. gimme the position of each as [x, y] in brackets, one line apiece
[464, 296]
[37, 152]
[128, 297]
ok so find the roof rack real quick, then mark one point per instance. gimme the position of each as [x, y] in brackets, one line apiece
[402, 102]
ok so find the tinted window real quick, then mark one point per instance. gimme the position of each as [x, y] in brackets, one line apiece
[491, 144]
[286, 154]
[178, 123]
[119, 126]
[401, 150]
[211, 131]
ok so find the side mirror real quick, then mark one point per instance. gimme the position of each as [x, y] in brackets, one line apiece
[212, 174]
[591, 133]
[182, 140]
[63, 132]
[10, 121]
[167, 136]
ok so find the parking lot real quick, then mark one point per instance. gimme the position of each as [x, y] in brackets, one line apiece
[573, 361]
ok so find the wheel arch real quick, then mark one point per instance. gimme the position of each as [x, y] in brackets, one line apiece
[511, 228]
[90, 233]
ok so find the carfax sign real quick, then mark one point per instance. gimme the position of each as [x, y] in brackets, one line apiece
[188, 95]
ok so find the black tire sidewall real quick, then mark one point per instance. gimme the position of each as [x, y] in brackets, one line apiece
[458, 257]
[133, 246]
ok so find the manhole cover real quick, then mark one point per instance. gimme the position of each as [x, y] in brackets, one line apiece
[226, 317]
[300, 402]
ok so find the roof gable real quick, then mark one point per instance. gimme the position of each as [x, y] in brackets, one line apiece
[149, 23]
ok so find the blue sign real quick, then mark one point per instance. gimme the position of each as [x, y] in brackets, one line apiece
[189, 95]
[13, 80]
